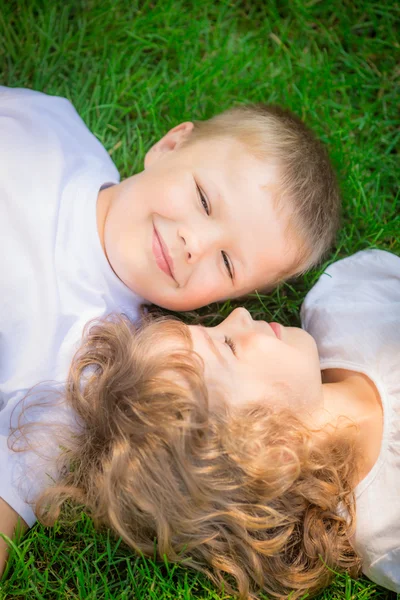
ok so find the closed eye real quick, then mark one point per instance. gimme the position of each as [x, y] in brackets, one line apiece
[203, 199]
[228, 264]
[229, 342]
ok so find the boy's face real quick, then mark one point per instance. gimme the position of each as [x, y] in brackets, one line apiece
[197, 225]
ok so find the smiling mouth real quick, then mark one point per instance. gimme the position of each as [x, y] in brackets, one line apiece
[163, 259]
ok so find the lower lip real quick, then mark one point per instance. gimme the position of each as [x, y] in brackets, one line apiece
[277, 329]
[159, 255]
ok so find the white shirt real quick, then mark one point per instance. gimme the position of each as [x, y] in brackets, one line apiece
[353, 313]
[54, 276]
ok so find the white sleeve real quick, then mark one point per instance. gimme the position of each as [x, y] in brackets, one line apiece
[353, 311]
[25, 474]
[10, 470]
[367, 277]
[386, 570]
[12, 466]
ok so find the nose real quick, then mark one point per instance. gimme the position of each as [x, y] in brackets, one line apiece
[197, 242]
[241, 317]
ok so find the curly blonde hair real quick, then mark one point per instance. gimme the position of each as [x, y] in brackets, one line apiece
[248, 496]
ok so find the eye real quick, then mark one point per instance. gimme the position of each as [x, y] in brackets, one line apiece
[227, 264]
[203, 200]
[229, 342]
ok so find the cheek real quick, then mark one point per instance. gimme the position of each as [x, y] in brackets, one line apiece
[195, 296]
[171, 194]
[295, 367]
[206, 283]
[279, 372]
[303, 380]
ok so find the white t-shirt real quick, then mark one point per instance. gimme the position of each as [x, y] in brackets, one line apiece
[353, 313]
[54, 276]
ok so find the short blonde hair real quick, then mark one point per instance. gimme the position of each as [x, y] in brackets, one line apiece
[309, 192]
[248, 498]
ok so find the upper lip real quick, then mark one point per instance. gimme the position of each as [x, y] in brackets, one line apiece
[165, 252]
[278, 332]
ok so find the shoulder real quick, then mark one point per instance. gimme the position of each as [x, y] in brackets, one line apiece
[369, 275]
[25, 100]
[385, 570]
[353, 311]
[33, 124]
[38, 120]
[36, 111]
[39, 129]
[366, 263]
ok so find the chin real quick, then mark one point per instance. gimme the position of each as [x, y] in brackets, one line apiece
[174, 306]
[299, 338]
[177, 305]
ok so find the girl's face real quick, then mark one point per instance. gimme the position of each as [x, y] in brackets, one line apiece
[250, 361]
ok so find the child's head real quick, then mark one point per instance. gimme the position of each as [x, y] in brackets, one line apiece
[223, 207]
[239, 489]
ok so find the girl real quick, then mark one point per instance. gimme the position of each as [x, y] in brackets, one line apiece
[248, 453]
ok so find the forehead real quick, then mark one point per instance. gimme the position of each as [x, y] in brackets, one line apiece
[203, 344]
[244, 191]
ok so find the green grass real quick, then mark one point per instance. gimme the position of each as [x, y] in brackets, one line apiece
[134, 69]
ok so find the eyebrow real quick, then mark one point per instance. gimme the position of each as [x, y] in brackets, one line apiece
[212, 346]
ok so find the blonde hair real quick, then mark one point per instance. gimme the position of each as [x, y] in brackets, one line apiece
[308, 189]
[247, 497]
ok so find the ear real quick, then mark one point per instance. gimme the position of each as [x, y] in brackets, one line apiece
[170, 141]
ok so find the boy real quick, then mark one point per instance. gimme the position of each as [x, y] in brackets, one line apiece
[222, 207]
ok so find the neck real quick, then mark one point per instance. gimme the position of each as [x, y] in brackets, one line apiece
[352, 398]
[103, 204]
